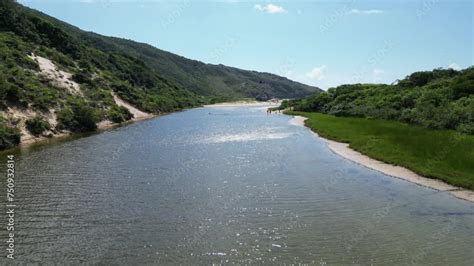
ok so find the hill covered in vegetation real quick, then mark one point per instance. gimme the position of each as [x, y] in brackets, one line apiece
[198, 77]
[205, 79]
[56, 78]
[438, 99]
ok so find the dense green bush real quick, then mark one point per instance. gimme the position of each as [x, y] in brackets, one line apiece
[82, 77]
[37, 125]
[9, 136]
[439, 99]
[119, 114]
[77, 116]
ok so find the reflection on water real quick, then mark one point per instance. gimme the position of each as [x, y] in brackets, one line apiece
[257, 134]
[226, 185]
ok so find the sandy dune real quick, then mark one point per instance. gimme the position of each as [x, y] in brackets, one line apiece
[57, 77]
[137, 114]
[19, 117]
[60, 79]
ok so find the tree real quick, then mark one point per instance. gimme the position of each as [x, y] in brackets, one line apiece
[78, 117]
[37, 125]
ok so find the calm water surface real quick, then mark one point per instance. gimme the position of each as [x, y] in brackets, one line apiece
[225, 185]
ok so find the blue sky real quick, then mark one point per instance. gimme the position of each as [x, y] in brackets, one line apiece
[322, 43]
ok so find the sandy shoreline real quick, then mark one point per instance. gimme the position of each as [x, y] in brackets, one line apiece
[343, 150]
[101, 126]
[138, 116]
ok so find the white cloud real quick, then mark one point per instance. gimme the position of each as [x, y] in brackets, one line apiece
[270, 8]
[365, 12]
[377, 73]
[454, 66]
[317, 73]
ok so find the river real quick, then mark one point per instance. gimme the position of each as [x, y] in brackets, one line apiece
[225, 185]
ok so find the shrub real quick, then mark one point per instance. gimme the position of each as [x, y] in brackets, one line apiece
[78, 117]
[438, 99]
[119, 114]
[85, 117]
[82, 77]
[66, 119]
[37, 125]
[467, 128]
[9, 136]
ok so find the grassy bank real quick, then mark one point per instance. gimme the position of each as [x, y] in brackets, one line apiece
[441, 154]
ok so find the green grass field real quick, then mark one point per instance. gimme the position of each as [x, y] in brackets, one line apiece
[440, 154]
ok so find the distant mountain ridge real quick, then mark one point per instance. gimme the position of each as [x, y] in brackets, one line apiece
[206, 79]
[56, 78]
[198, 77]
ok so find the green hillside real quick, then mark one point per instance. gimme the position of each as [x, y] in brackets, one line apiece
[205, 79]
[438, 99]
[196, 76]
[57, 78]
